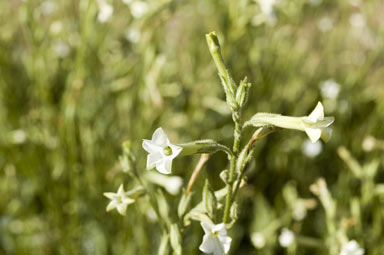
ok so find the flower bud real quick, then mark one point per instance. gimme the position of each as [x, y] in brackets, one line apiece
[242, 92]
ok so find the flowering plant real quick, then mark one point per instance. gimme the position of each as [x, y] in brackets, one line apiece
[218, 210]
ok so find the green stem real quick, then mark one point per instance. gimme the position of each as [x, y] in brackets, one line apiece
[232, 169]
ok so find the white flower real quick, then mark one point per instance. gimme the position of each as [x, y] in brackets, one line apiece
[161, 152]
[357, 20]
[315, 125]
[351, 248]
[133, 35]
[105, 12]
[48, 7]
[215, 239]
[286, 238]
[299, 210]
[18, 136]
[329, 89]
[139, 9]
[119, 200]
[369, 143]
[61, 49]
[56, 27]
[258, 240]
[172, 184]
[310, 149]
[267, 7]
[325, 24]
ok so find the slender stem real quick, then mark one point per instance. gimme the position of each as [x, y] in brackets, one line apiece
[203, 159]
[232, 169]
[257, 135]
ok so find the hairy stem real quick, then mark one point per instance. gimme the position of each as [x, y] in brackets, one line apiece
[232, 169]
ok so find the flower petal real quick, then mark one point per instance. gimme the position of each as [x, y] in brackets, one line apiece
[150, 146]
[207, 227]
[326, 134]
[110, 195]
[112, 205]
[120, 191]
[153, 159]
[313, 134]
[164, 166]
[122, 208]
[317, 113]
[226, 243]
[175, 150]
[208, 244]
[160, 138]
[220, 229]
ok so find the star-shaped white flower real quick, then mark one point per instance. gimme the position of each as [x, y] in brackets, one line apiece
[119, 200]
[351, 248]
[316, 125]
[161, 152]
[215, 239]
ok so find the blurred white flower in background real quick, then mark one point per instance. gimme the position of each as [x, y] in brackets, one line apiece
[18, 136]
[105, 11]
[310, 149]
[369, 143]
[351, 248]
[172, 184]
[61, 49]
[325, 24]
[267, 8]
[139, 9]
[258, 240]
[329, 89]
[357, 20]
[56, 27]
[48, 7]
[215, 239]
[133, 35]
[119, 200]
[161, 152]
[286, 238]
[300, 211]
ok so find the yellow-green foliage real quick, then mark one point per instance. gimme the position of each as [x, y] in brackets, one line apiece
[73, 89]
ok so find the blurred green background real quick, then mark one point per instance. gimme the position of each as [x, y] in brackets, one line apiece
[79, 77]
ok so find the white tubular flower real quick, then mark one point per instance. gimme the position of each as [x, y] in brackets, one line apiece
[286, 238]
[351, 248]
[172, 184]
[315, 124]
[161, 152]
[215, 239]
[119, 200]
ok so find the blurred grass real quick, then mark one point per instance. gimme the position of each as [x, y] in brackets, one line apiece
[72, 89]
